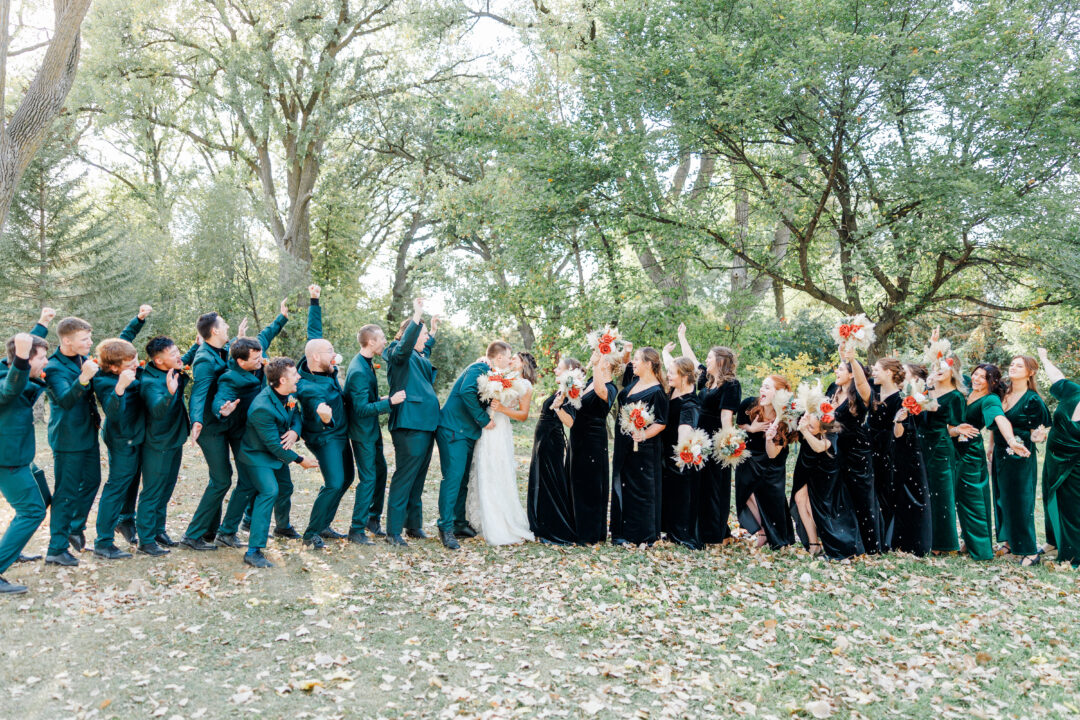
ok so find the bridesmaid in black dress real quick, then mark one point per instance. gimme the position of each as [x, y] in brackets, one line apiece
[824, 516]
[550, 504]
[851, 397]
[636, 474]
[720, 395]
[888, 374]
[912, 522]
[761, 502]
[681, 491]
[587, 459]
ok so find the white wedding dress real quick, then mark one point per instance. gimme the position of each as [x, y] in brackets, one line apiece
[493, 505]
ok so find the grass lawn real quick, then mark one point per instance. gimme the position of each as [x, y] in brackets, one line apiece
[531, 631]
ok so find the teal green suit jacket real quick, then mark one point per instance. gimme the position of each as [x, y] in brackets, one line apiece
[463, 412]
[237, 383]
[315, 388]
[125, 416]
[18, 393]
[209, 365]
[412, 372]
[268, 419]
[363, 400]
[166, 417]
[73, 415]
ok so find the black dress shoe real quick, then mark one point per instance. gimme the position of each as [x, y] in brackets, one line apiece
[64, 558]
[465, 531]
[197, 544]
[256, 559]
[228, 540]
[77, 541]
[396, 540]
[314, 542]
[111, 553]
[8, 588]
[448, 540]
[416, 533]
[152, 549]
[126, 530]
[360, 538]
[165, 540]
[27, 558]
[619, 541]
[332, 534]
[375, 528]
[288, 533]
[245, 525]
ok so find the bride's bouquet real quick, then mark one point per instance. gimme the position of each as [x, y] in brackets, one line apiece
[937, 354]
[607, 342]
[729, 446]
[502, 385]
[635, 416]
[916, 399]
[856, 332]
[788, 409]
[691, 452]
[571, 386]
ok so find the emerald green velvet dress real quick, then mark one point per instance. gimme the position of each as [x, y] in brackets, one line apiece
[1013, 478]
[1061, 473]
[973, 480]
[939, 454]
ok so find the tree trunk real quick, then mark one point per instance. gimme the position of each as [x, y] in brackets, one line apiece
[43, 101]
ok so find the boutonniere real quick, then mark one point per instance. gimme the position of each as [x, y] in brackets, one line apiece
[142, 363]
[291, 402]
[377, 366]
[187, 368]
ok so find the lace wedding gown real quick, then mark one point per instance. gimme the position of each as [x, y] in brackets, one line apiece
[493, 505]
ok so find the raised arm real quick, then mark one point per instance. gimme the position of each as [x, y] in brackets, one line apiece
[862, 385]
[19, 375]
[314, 315]
[1052, 370]
[684, 344]
[272, 330]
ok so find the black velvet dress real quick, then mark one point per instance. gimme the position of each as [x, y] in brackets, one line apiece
[715, 478]
[880, 424]
[587, 461]
[856, 467]
[766, 479]
[912, 523]
[681, 492]
[636, 476]
[830, 504]
[550, 505]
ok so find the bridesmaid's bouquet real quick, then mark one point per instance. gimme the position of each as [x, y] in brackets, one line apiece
[571, 386]
[856, 332]
[729, 446]
[691, 452]
[813, 400]
[788, 408]
[635, 416]
[607, 342]
[501, 385]
[937, 354]
[916, 399]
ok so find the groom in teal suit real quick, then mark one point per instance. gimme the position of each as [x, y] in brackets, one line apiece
[461, 420]
[412, 423]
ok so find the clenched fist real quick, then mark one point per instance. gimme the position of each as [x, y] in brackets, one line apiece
[315, 291]
[325, 413]
[144, 311]
[89, 370]
[24, 342]
[397, 398]
[126, 378]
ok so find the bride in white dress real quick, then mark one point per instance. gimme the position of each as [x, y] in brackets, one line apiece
[493, 504]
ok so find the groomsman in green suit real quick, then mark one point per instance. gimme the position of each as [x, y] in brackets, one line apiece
[20, 386]
[162, 390]
[461, 420]
[207, 429]
[273, 426]
[117, 389]
[73, 425]
[365, 406]
[412, 423]
[326, 424]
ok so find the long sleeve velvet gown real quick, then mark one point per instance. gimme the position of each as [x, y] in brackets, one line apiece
[1061, 474]
[550, 504]
[715, 478]
[834, 513]
[1014, 478]
[765, 479]
[588, 464]
[636, 475]
[912, 529]
[681, 491]
[856, 465]
[879, 422]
